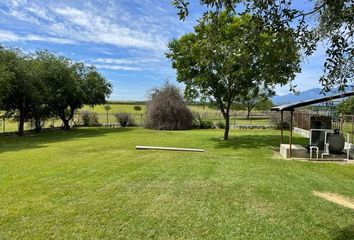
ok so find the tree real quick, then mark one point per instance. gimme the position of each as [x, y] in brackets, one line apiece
[71, 86]
[346, 107]
[327, 21]
[5, 79]
[253, 99]
[228, 55]
[107, 107]
[22, 86]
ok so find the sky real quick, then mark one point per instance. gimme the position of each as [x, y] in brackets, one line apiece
[125, 39]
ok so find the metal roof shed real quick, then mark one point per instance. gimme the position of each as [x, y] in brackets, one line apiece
[291, 108]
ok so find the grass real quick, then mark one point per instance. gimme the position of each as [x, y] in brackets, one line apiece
[206, 112]
[92, 184]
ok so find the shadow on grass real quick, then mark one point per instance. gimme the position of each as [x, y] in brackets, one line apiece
[255, 141]
[29, 141]
[345, 234]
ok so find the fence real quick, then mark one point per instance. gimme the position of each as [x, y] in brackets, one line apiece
[238, 119]
[344, 123]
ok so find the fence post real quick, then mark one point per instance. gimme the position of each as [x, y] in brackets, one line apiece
[3, 124]
[141, 119]
[352, 128]
[235, 120]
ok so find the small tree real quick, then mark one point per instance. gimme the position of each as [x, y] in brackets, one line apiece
[254, 98]
[167, 110]
[107, 107]
[137, 108]
[346, 107]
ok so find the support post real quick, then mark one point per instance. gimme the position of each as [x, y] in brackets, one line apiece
[281, 128]
[291, 132]
[351, 134]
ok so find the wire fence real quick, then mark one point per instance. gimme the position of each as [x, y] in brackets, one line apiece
[239, 119]
[345, 123]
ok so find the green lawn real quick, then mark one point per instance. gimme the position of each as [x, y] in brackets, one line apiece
[93, 184]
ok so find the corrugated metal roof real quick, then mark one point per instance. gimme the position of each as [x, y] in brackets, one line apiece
[290, 107]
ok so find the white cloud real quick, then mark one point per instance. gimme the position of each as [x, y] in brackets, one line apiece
[112, 23]
[7, 36]
[117, 67]
[128, 60]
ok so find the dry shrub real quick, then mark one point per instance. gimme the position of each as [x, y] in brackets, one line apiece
[89, 118]
[125, 120]
[167, 110]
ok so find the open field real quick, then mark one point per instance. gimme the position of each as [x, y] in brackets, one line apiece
[91, 183]
[207, 113]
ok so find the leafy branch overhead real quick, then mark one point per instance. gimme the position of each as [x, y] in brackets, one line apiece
[327, 21]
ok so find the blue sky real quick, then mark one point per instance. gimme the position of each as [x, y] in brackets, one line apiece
[125, 39]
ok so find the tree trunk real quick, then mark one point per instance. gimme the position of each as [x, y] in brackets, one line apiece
[21, 124]
[38, 125]
[66, 124]
[227, 126]
[248, 114]
[66, 121]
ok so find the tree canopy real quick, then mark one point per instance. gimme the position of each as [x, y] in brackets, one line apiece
[256, 98]
[322, 21]
[43, 84]
[227, 56]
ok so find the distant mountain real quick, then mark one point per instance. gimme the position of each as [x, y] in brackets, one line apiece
[302, 96]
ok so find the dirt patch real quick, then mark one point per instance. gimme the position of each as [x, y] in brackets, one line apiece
[335, 198]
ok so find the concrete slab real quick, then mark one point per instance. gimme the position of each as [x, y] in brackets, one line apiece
[297, 151]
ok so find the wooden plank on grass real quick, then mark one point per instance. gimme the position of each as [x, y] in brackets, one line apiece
[169, 149]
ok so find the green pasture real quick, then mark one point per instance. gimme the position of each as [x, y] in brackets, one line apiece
[91, 183]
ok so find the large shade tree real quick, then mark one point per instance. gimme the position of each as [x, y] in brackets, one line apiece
[313, 22]
[20, 85]
[227, 56]
[71, 85]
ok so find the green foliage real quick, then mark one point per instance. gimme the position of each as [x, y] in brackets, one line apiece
[346, 107]
[21, 85]
[220, 125]
[227, 56]
[107, 107]
[320, 21]
[137, 108]
[44, 85]
[200, 123]
[77, 84]
[265, 105]
[255, 98]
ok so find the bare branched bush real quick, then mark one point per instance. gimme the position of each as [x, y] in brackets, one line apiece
[167, 110]
[125, 120]
[89, 118]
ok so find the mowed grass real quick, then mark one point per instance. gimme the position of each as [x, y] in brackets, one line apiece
[92, 184]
